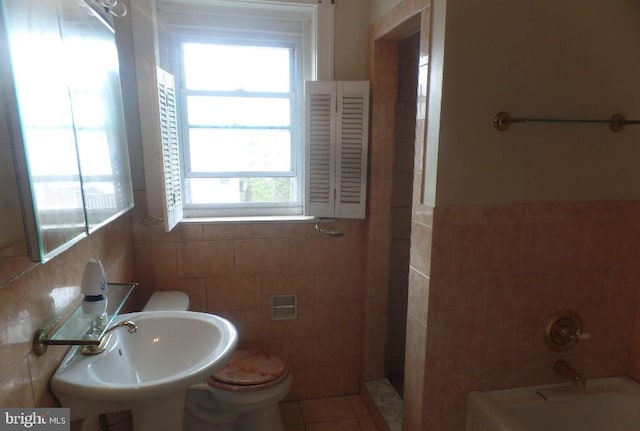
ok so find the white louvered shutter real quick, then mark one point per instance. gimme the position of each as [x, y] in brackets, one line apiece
[320, 120]
[336, 131]
[352, 136]
[170, 148]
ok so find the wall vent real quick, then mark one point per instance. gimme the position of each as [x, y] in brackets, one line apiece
[284, 307]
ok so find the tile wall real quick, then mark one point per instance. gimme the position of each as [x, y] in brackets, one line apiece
[233, 269]
[498, 272]
[33, 299]
[378, 223]
[420, 253]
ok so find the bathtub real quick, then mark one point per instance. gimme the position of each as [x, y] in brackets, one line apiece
[610, 404]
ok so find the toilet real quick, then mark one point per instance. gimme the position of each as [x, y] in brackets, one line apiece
[169, 300]
[241, 396]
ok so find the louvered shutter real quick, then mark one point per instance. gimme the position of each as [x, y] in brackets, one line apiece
[170, 149]
[336, 130]
[320, 101]
[352, 133]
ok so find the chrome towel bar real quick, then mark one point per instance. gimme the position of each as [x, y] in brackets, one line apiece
[329, 232]
[617, 122]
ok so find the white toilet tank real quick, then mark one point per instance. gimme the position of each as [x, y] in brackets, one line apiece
[167, 300]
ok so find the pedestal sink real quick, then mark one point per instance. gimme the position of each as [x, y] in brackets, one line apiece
[148, 371]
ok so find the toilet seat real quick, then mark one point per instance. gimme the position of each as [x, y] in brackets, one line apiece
[249, 371]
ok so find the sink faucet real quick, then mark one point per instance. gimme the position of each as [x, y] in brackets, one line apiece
[131, 327]
[563, 368]
[90, 342]
[106, 336]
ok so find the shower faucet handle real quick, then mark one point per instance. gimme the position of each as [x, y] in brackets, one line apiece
[563, 331]
[584, 336]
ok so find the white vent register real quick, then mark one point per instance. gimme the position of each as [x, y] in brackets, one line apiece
[284, 307]
[336, 135]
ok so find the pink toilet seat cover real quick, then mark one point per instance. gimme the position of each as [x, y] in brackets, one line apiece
[248, 370]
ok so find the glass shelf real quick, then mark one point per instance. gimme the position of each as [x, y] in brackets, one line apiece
[82, 326]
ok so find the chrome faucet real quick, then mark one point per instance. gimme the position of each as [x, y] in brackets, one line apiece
[563, 368]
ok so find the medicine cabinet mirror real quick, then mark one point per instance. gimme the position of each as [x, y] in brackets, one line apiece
[14, 247]
[64, 108]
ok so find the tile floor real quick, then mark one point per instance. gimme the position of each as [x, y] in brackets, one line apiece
[346, 413]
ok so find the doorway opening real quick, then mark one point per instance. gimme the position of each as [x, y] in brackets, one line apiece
[408, 50]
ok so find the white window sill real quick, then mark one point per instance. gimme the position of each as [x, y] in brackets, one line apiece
[251, 219]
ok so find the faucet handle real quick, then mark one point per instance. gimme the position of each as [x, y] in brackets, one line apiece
[570, 332]
[584, 336]
[563, 331]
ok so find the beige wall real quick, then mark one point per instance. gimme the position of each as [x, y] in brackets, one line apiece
[537, 59]
[351, 25]
[379, 7]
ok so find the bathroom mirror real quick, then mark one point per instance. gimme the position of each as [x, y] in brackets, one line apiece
[92, 71]
[15, 254]
[46, 123]
[68, 117]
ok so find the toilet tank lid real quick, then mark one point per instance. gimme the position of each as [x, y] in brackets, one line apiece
[167, 300]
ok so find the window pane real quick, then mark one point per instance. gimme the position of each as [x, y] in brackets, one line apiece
[240, 150]
[236, 67]
[58, 195]
[240, 190]
[238, 111]
[93, 151]
[52, 152]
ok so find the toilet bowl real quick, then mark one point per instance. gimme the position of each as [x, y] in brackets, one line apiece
[241, 396]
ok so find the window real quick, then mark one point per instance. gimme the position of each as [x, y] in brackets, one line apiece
[237, 107]
[239, 70]
[240, 126]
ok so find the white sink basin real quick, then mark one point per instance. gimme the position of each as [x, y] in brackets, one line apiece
[147, 371]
